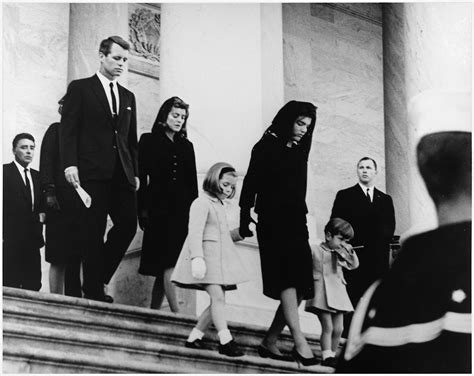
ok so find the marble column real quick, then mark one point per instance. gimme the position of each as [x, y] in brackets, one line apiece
[226, 61]
[89, 25]
[427, 48]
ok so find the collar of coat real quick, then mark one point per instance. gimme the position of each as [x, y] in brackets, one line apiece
[213, 198]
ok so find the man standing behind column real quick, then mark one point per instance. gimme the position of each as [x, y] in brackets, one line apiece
[22, 229]
[371, 214]
[98, 150]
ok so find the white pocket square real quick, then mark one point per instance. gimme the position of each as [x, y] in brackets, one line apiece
[129, 108]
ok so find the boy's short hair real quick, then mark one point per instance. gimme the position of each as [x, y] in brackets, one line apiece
[338, 226]
[445, 163]
[22, 136]
[215, 173]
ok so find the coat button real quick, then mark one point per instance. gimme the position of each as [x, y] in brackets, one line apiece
[115, 147]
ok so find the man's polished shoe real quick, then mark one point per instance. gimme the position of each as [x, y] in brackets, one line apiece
[197, 344]
[230, 349]
[266, 353]
[100, 298]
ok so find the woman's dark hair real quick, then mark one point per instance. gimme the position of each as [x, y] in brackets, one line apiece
[215, 173]
[165, 109]
[338, 226]
[282, 124]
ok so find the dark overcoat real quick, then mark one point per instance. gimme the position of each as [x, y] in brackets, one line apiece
[63, 226]
[275, 184]
[169, 185]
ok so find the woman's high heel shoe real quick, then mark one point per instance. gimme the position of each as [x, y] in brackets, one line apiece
[266, 353]
[300, 359]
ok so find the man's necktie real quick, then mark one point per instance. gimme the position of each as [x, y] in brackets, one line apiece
[368, 195]
[114, 101]
[28, 189]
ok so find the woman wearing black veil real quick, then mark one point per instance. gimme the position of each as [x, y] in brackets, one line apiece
[167, 169]
[276, 184]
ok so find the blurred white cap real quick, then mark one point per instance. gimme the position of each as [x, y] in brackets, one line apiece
[435, 111]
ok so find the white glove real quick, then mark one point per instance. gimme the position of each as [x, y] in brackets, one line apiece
[198, 267]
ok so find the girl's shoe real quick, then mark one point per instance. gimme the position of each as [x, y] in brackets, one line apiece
[197, 344]
[266, 353]
[300, 359]
[329, 362]
[230, 349]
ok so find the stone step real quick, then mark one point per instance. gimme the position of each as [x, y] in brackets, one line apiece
[128, 355]
[126, 322]
[31, 359]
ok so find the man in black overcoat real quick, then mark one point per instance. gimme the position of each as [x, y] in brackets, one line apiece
[371, 214]
[98, 150]
[22, 227]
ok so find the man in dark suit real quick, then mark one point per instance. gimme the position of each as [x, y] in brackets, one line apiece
[98, 150]
[22, 227]
[371, 214]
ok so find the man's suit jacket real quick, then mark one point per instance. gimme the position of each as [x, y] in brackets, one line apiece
[21, 225]
[374, 224]
[91, 139]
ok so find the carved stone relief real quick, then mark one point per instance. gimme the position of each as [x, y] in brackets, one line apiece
[144, 35]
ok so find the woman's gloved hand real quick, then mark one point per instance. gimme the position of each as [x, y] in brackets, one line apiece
[143, 220]
[245, 221]
[198, 267]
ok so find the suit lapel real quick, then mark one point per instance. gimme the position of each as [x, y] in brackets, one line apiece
[122, 104]
[98, 90]
[19, 180]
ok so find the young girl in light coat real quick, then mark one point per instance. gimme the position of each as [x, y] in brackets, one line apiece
[209, 260]
[331, 300]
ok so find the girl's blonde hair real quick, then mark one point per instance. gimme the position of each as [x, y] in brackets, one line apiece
[214, 175]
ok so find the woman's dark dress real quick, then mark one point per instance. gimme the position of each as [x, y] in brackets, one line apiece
[169, 167]
[277, 177]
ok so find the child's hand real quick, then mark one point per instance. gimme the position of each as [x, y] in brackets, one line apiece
[198, 267]
[344, 251]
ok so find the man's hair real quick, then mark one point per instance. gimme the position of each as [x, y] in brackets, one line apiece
[338, 226]
[106, 44]
[444, 161]
[215, 173]
[367, 159]
[22, 136]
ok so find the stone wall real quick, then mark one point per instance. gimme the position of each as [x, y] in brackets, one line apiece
[35, 56]
[333, 58]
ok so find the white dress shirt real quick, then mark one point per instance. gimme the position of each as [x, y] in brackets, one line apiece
[105, 84]
[371, 191]
[21, 169]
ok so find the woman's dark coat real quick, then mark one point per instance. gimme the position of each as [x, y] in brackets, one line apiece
[276, 185]
[167, 171]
